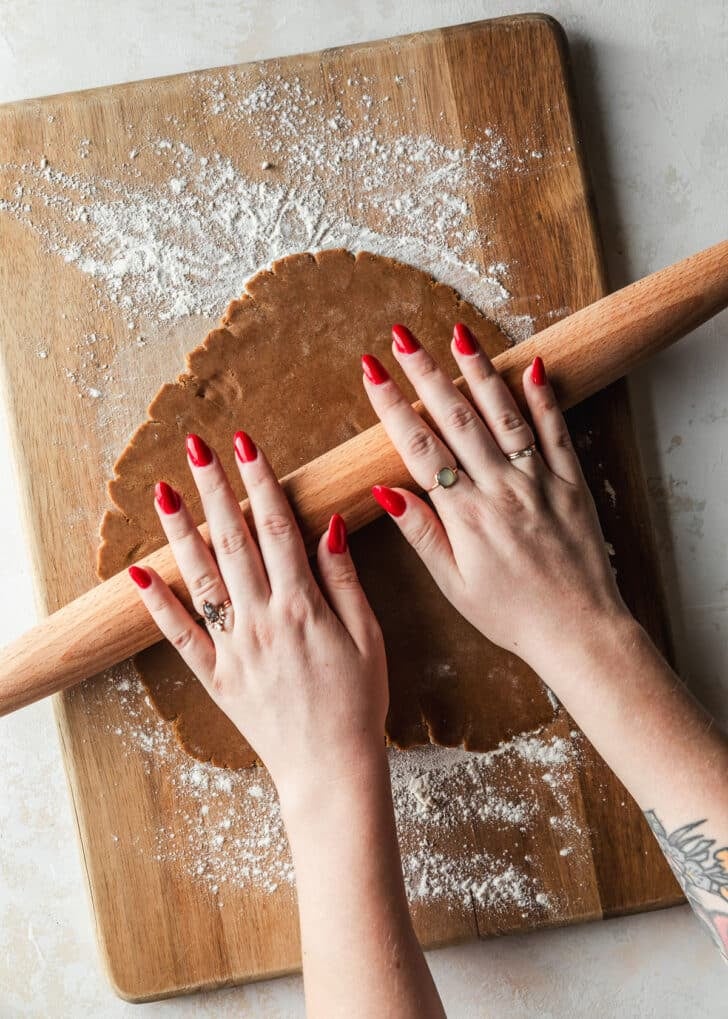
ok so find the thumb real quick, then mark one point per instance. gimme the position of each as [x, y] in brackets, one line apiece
[341, 585]
[423, 529]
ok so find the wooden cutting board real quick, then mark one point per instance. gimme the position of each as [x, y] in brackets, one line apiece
[80, 370]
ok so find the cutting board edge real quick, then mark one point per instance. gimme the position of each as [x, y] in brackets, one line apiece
[97, 91]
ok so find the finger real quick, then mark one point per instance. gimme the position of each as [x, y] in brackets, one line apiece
[237, 555]
[556, 445]
[424, 531]
[176, 624]
[494, 400]
[279, 537]
[341, 585]
[458, 422]
[196, 563]
[423, 452]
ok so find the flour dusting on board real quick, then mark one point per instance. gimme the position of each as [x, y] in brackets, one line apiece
[176, 232]
[168, 234]
[226, 831]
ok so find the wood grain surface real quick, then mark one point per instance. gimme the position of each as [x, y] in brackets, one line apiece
[162, 933]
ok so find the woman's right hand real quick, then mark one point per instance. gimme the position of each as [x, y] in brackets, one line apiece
[515, 545]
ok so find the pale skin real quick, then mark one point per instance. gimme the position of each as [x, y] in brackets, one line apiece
[300, 668]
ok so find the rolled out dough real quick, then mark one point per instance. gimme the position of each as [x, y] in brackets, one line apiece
[285, 366]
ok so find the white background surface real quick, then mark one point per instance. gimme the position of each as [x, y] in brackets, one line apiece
[652, 85]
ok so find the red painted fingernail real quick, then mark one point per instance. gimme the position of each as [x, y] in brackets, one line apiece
[140, 576]
[245, 449]
[389, 500]
[464, 339]
[167, 499]
[198, 451]
[374, 369]
[538, 372]
[404, 341]
[337, 535]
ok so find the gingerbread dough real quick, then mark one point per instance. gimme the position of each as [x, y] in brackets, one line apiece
[285, 366]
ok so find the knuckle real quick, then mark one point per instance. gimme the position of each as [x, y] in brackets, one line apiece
[547, 405]
[562, 439]
[277, 525]
[483, 370]
[231, 543]
[474, 513]
[177, 527]
[420, 442]
[297, 608]
[509, 421]
[460, 417]
[344, 579]
[423, 537]
[204, 584]
[260, 632]
[510, 502]
[389, 398]
[216, 484]
[427, 366]
[181, 639]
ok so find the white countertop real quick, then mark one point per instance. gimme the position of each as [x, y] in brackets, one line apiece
[652, 83]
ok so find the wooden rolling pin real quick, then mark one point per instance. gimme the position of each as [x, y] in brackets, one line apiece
[583, 354]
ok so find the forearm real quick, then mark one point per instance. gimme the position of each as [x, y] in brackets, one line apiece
[360, 954]
[662, 745]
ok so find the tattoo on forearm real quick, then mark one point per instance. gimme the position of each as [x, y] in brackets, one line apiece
[701, 871]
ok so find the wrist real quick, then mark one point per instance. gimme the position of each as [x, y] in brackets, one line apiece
[593, 654]
[333, 783]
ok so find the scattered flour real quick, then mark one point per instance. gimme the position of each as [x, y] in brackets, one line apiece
[174, 233]
[168, 252]
[171, 234]
[225, 828]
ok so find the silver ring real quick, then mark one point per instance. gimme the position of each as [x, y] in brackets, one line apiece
[215, 615]
[526, 451]
[445, 478]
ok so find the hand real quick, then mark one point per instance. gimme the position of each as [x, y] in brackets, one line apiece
[300, 672]
[515, 545]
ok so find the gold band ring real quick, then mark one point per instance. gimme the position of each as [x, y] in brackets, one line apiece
[526, 451]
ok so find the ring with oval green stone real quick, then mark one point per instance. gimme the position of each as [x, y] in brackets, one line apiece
[445, 478]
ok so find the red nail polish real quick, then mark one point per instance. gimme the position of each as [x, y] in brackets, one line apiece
[389, 500]
[140, 576]
[198, 451]
[374, 369]
[404, 341]
[245, 449]
[538, 372]
[167, 499]
[337, 535]
[465, 342]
